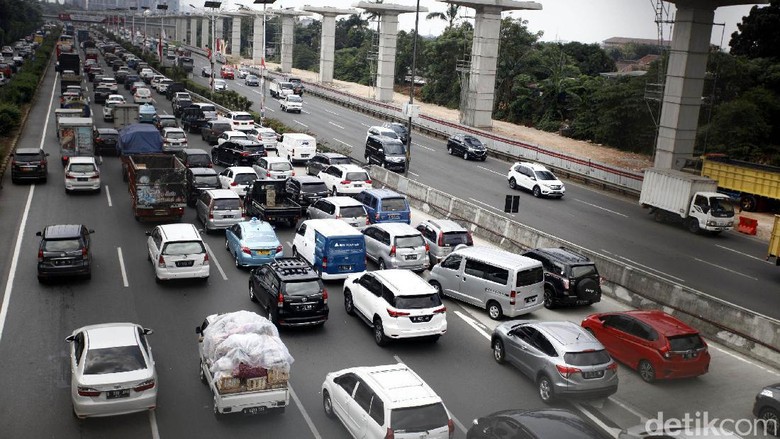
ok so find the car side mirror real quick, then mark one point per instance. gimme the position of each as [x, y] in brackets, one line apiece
[381, 150]
[38, 234]
[70, 338]
[148, 233]
[198, 330]
[47, 154]
[91, 231]
[148, 331]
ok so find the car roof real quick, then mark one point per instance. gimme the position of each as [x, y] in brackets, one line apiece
[26, 151]
[307, 179]
[181, 231]
[446, 225]
[551, 422]
[81, 160]
[498, 257]
[166, 116]
[349, 168]
[399, 383]
[108, 335]
[343, 201]
[242, 170]
[234, 133]
[534, 166]
[239, 113]
[568, 335]
[331, 155]
[256, 224]
[202, 171]
[272, 159]
[223, 193]
[194, 151]
[107, 131]
[172, 129]
[404, 282]
[661, 322]
[397, 229]
[62, 231]
[333, 227]
[564, 255]
[384, 193]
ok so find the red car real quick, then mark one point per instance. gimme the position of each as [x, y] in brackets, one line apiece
[651, 342]
[227, 73]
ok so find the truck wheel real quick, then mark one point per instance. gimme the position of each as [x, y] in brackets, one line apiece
[658, 215]
[748, 203]
[693, 225]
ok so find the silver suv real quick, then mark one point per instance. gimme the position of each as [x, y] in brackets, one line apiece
[442, 237]
[396, 245]
[563, 358]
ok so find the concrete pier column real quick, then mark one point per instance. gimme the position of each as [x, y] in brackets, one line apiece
[257, 39]
[193, 31]
[288, 27]
[328, 38]
[385, 72]
[235, 41]
[205, 34]
[484, 58]
[219, 32]
[684, 84]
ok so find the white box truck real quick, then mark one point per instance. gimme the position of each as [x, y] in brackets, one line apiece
[679, 196]
[296, 147]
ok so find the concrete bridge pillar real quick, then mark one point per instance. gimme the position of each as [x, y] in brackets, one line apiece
[205, 34]
[328, 38]
[235, 43]
[193, 32]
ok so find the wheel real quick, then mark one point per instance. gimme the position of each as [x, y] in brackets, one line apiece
[537, 192]
[449, 150]
[381, 264]
[238, 264]
[494, 310]
[546, 392]
[512, 183]
[548, 298]
[465, 155]
[646, 371]
[349, 307]
[202, 375]
[748, 203]
[483, 158]
[227, 246]
[772, 419]
[252, 293]
[498, 351]
[693, 225]
[379, 332]
[327, 404]
[437, 287]
[295, 252]
[658, 216]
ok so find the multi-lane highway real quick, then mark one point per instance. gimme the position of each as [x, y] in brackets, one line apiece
[36, 318]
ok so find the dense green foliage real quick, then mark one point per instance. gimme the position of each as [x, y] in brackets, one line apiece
[18, 18]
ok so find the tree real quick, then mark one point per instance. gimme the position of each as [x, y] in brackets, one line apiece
[590, 58]
[441, 56]
[450, 15]
[757, 35]
[18, 18]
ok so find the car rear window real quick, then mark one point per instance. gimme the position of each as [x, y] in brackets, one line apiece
[419, 419]
[183, 248]
[456, 238]
[27, 157]
[208, 108]
[340, 161]
[303, 288]
[280, 166]
[583, 270]
[205, 179]
[530, 277]
[394, 204]
[409, 241]
[352, 211]
[221, 126]
[417, 302]
[227, 204]
[314, 187]
[245, 178]
[686, 342]
[173, 134]
[61, 245]
[82, 167]
[357, 176]
[114, 360]
[109, 137]
[587, 358]
[243, 117]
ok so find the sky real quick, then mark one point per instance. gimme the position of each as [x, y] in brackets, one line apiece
[586, 21]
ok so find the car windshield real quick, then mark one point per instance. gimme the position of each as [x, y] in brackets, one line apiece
[245, 178]
[682, 343]
[586, 358]
[583, 270]
[473, 141]
[314, 187]
[545, 176]
[419, 418]
[27, 158]
[227, 204]
[340, 161]
[357, 176]
[352, 211]
[61, 245]
[251, 78]
[294, 98]
[303, 288]
[456, 238]
[114, 360]
[183, 248]
[395, 148]
[243, 117]
[109, 137]
[422, 301]
[82, 167]
[210, 180]
[409, 241]
[280, 166]
[286, 85]
[394, 204]
[721, 206]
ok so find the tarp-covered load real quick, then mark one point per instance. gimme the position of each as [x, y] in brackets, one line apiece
[140, 138]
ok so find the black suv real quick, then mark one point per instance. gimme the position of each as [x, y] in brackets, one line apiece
[194, 158]
[212, 129]
[199, 180]
[290, 290]
[196, 116]
[29, 164]
[322, 160]
[569, 278]
[238, 152]
[64, 251]
[387, 152]
[105, 141]
[173, 88]
[305, 189]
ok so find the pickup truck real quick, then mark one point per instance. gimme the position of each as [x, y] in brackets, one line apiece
[233, 350]
[268, 200]
[291, 103]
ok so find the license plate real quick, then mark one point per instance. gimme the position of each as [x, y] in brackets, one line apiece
[254, 410]
[357, 185]
[394, 216]
[27, 169]
[114, 394]
[345, 267]
[263, 252]
[305, 155]
[81, 179]
[593, 374]
[307, 307]
[421, 319]
[410, 257]
[62, 262]
[184, 263]
[227, 216]
[689, 355]
[531, 299]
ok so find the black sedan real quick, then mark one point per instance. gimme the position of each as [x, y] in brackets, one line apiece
[105, 140]
[206, 72]
[101, 93]
[532, 424]
[466, 146]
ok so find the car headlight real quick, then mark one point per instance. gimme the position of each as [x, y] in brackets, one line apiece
[767, 392]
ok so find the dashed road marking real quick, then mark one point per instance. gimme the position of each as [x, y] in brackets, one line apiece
[301, 123]
[343, 143]
[602, 208]
[213, 257]
[336, 125]
[122, 267]
[108, 196]
[490, 170]
[486, 205]
[725, 269]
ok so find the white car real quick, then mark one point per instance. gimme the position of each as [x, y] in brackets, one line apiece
[112, 370]
[241, 120]
[242, 73]
[237, 178]
[266, 136]
[535, 178]
[177, 252]
[142, 95]
[273, 168]
[156, 81]
[231, 135]
[162, 86]
[181, 95]
[116, 99]
[174, 139]
[220, 85]
[82, 174]
[408, 306]
[291, 104]
[146, 73]
[345, 179]
[110, 83]
[387, 401]
[376, 130]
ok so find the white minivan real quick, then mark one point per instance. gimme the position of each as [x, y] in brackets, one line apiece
[177, 252]
[296, 147]
[504, 283]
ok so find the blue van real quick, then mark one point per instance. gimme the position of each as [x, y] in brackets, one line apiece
[385, 206]
[332, 246]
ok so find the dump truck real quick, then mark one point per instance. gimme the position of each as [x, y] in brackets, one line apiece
[69, 61]
[673, 195]
[75, 134]
[70, 79]
[757, 187]
[774, 242]
[268, 200]
[157, 182]
[244, 362]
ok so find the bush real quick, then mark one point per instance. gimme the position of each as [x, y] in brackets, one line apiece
[10, 117]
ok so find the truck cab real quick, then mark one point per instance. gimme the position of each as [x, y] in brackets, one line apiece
[713, 212]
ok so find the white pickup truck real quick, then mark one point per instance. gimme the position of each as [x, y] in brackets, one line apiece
[244, 363]
[279, 89]
[291, 103]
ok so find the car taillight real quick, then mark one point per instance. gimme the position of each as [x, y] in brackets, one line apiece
[469, 239]
[324, 296]
[246, 250]
[441, 239]
[244, 154]
[69, 176]
[280, 300]
[441, 310]
[427, 247]
[392, 313]
[566, 371]
[345, 182]
[392, 250]
[512, 297]
[368, 181]
[367, 221]
[376, 216]
[84, 252]
[43, 162]
[451, 428]
[161, 262]
[267, 174]
[613, 366]
[279, 249]
[40, 255]
[205, 259]
[234, 183]
[88, 391]
[390, 434]
[211, 215]
[324, 262]
[146, 385]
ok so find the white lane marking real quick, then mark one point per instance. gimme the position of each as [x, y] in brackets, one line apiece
[153, 423]
[490, 170]
[331, 112]
[602, 208]
[486, 205]
[397, 358]
[108, 197]
[742, 359]
[365, 124]
[165, 112]
[725, 269]
[336, 125]
[304, 413]
[643, 266]
[630, 409]
[9, 283]
[305, 112]
[613, 432]
[299, 123]
[473, 323]
[416, 175]
[257, 92]
[122, 266]
[743, 254]
[343, 143]
[212, 257]
[423, 146]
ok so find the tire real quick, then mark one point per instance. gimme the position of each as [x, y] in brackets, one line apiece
[512, 183]
[748, 203]
[587, 290]
[494, 310]
[379, 332]
[465, 155]
[349, 306]
[498, 351]
[693, 225]
[548, 298]
[202, 375]
[483, 158]
[658, 216]
[238, 264]
[334, 192]
[772, 419]
[646, 371]
[545, 388]
[537, 192]
[382, 264]
[434, 338]
[227, 247]
[252, 296]
[327, 404]
[437, 286]
[295, 252]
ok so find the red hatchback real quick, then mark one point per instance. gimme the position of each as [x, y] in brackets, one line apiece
[652, 342]
[227, 73]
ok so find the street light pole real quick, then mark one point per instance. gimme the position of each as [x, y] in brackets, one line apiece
[212, 5]
[146, 14]
[411, 92]
[262, 61]
[163, 7]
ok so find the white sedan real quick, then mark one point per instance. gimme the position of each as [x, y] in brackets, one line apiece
[112, 370]
[237, 178]
[220, 85]
[231, 135]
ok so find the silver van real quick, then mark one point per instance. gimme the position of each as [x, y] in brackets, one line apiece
[396, 245]
[219, 209]
[503, 283]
